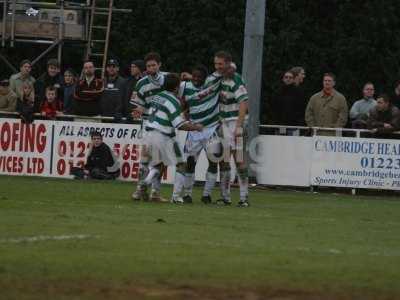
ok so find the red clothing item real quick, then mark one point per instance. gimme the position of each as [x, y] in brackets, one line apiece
[89, 92]
[87, 97]
[50, 109]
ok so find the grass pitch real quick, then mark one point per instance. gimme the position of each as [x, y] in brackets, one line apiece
[62, 239]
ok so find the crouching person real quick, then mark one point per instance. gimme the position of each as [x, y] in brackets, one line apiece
[165, 116]
[101, 162]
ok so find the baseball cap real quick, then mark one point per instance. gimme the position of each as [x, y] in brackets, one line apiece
[112, 62]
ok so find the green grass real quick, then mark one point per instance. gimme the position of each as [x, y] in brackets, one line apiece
[291, 244]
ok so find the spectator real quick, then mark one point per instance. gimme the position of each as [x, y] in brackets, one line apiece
[359, 112]
[25, 103]
[88, 92]
[114, 96]
[327, 108]
[51, 105]
[396, 94]
[68, 88]
[17, 80]
[384, 118]
[285, 100]
[101, 162]
[300, 104]
[52, 77]
[8, 99]
[137, 69]
[299, 75]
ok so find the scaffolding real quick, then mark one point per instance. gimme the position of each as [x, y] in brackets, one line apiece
[58, 23]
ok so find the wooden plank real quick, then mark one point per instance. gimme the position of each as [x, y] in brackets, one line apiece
[46, 30]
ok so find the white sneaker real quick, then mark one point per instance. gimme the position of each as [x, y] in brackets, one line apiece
[156, 197]
[177, 200]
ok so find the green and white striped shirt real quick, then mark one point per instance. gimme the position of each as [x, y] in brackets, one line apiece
[233, 92]
[203, 102]
[165, 114]
[145, 90]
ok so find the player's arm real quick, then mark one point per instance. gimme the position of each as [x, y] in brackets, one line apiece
[212, 88]
[243, 108]
[183, 101]
[137, 102]
[179, 122]
[188, 126]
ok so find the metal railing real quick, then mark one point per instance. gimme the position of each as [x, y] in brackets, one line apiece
[63, 117]
[314, 130]
[282, 129]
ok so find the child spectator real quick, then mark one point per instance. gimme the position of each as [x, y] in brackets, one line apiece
[101, 162]
[69, 89]
[26, 101]
[51, 106]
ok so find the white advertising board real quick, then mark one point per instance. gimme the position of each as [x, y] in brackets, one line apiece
[356, 163]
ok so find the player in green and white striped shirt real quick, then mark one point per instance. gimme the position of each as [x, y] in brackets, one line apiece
[203, 108]
[233, 107]
[145, 90]
[166, 115]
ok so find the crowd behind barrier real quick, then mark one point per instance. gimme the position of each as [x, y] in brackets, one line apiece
[55, 94]
[202, 103]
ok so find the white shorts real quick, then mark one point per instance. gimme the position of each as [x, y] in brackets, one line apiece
[207, 139]
[229, 138]
[162, 149]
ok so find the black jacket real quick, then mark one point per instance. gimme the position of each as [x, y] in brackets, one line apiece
[377, 119]
[396, 100]
[102, 158]
[291, 105]
[113, 98]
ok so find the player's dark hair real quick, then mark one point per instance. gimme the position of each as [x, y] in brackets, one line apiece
[152, 56]
[225, 55]
[202, 69]
[171, 82]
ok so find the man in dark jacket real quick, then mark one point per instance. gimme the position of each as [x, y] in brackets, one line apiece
[384, 119]
[51, 78]
[286, 102]
[114, 95]
[101, 162]
[300, 101]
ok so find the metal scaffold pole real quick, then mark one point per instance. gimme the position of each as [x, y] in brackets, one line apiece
[252, 60]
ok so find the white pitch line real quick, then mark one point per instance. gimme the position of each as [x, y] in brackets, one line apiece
[42, 238]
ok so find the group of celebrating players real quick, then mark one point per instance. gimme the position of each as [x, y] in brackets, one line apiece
[212, 108]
